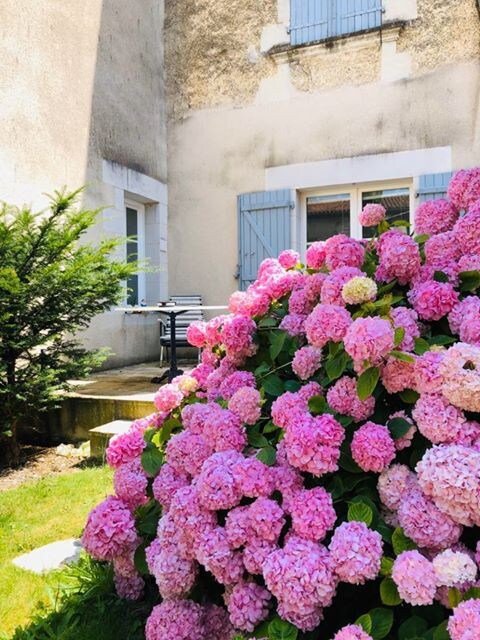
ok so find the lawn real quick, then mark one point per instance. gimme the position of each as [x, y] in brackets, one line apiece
[35, 514]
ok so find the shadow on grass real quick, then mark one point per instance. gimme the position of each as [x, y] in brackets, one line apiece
[87, 608]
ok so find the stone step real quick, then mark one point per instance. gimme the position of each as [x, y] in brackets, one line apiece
[100, 436]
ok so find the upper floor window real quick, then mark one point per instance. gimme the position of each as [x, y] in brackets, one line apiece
[315, 20]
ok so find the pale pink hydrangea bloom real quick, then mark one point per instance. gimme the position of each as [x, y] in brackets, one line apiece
[312, 513]
[424, 523]
[249, 303]
[289, 259]
[246, 404]
[315, 256]
[393, 485]
[454, 568]
[287, 409]
[352, 632]
[174, 575]
[125, 447]
[397, 375]
[450, 475]
[168, 397]
[343, 398]
[196, 334]
[437, 419]
[327, 322]
[333, 285]
[306, 361]
[464, 188]
[179, 619]
[343, 251]
[356, 552]
[110, 530]
[433, 300]
[213, 330]
[415, 578]
[460, 369]
[248, 605]
[465, 621]
[467, 231]
[130, 484]
[293, 324]
[435, 216]
[399, 257]
[426, 372]
[373, 448]
[372, 214]
[235, 381]
[369, 339]
[359, 289]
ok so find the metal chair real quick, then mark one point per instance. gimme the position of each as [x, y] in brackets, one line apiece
[182, 323]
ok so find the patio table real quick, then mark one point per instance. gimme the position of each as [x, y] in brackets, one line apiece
[172, 312]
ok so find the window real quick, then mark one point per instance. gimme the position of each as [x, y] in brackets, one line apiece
[135, 250]
[316, 20]
[327, 212]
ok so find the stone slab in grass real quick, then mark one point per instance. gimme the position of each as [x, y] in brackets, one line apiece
[51, 556]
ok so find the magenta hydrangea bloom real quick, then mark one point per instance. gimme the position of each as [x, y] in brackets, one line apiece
[306, 361]
[465, 621]
[293, 324]
[373, 448]
[315, 256]
[399, 257]
[332, 287]
[125, 447]
[266, 519]
[168, 397]
[190, 518]
[224, 430]
[464, 188]
[312, 513]
[253, 478]
[372, 214]
[215, 554]
[467, 231]
[356, 552]
[246, 404]
[174, 575]
[179, 619]
[393, 485]
[442, 251]
[217, 624]
[216, 485]
[327, 322]
[110, 530]
[352, 632]
[129, 587]
[196, 334]
[300, 303]
[415, 578]
[433, 300]
[250, 303]
[289, 259]
[288, 408]
[343, 398]
[186, 452]
[343, 251]
[255, 553]
[236, 381]
[435, 216]
[369, 339]
[407, 319]
[130, 484]
[248, 605]
[437, 419]
[237, 332]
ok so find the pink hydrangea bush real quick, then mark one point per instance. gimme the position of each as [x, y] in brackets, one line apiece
[318, 473]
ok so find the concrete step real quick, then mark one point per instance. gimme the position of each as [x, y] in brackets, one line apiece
[100, 436]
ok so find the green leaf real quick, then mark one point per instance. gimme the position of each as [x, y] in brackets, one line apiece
[421, 346]
[360, 512]
[399, 336]
[279, 629]
[473, 592]
[389, 593]
[409, 396]
[454, 597]
[148, 434]
[347, 463]
[401, 223]
[167, 428]
[317, 405]
[398, 427]
[365, 622]
[401, 543]
[273, 385]
[441, 341]
[412, 628]
[383, 226]
[367, 381]
[336, 487]
[152, 460]
[469, 280]
[386, 566]
[268, 455]
[277, 340]
[441, 632]
[422, 238]
[401, 355]
[336, 366]
[267, 322]
[292, 385]
[139, 559]
[384, 530]
[382, 622]
[270, 427]
[440, 276]
[257, 440]
[262, 369]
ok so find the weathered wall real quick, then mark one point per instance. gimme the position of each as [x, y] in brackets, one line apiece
[408, 88]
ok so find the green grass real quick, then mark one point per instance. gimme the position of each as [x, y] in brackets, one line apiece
[35, 514]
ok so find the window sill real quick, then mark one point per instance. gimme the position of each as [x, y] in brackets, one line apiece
[356, 40]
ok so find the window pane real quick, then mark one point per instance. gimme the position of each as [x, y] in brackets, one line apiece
[395, 201]
[132, 254]
[327, 216]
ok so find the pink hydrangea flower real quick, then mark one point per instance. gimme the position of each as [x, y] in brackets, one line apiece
[407, 319]
[253, 478]
[246, 403]
[426, 372]
[215, 554]
[191, 518]
[224, 430]
[217, 624]
[235, 381]
[313, 286]
[435, 216]
[110, 530]
[369, 339]
[399, 257]
[433, 300]
[327, 322]
[371, 215]
[216, 484]
[309, 390]
[248, 605]
[288, 408]
[393, 485]
[465, 621]
[373, 448]
[179, 619]
[469, 262]
[312, 513]
[168, 397]
[186, 452]
[460, 369]
[343, 251]
[300, 303]
[437, 419]
[130, 484]
[397, 375]
[129, 587]
[332, 287]
[196, 334]
[415, 578]
[464, 188]
[255, 553]
[125, 447]
[454, 568]
[174, 575]
[237, 335]
[249, 303]
[289, 259]
[306, 361]
[356, 552]
[442, 251]
[352, 632]
[467, 231]
[343, 398]
[167, 483]
[293, 324]
[359, 289]
[266, 519]
[315, 256]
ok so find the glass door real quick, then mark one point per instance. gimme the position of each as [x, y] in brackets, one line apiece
[327, 215]
[135, 251]
[395, 201]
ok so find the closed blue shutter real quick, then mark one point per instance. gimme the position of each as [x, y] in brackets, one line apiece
[263, 229]
[433, 186]
[314, 20]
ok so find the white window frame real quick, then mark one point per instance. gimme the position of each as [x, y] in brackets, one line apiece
[355, 191]
[141, 241]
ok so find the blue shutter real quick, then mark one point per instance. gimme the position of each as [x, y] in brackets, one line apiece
[314, 20]
[263, 229]
[433, 186]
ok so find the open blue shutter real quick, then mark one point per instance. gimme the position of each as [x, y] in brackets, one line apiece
[263, 229]
[433, 186]
[314, 20]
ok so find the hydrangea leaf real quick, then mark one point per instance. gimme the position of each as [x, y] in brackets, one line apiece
[367, 381]
[360, 512]
[469, 280]
[336, 366]
[382, 622]
[441, 632]
[386, 566]
[365, 622]
[317, 405]
[279, 629]
[268, 455]
[401, 355]
[273, 385]
[421, 346]
[277, 340]
[399, 336]
[412, 628]
[398, 427]
[389, 593]
[152, 460]
[401, 543]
